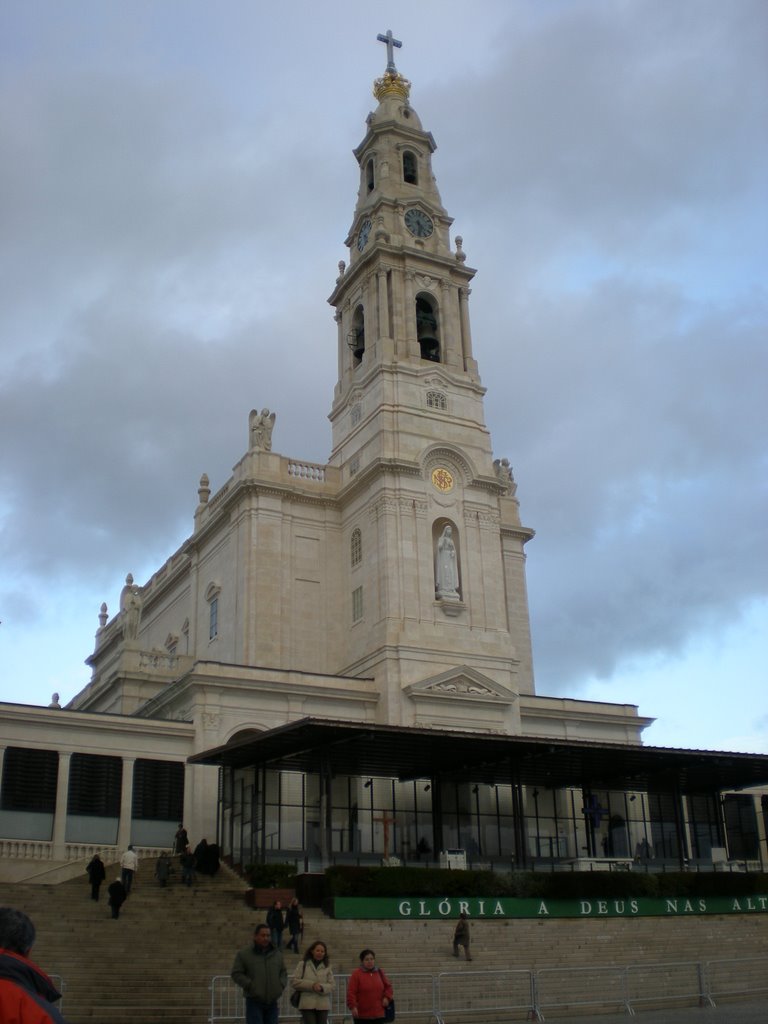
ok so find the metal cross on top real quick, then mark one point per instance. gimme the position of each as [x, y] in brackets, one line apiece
[391, 42]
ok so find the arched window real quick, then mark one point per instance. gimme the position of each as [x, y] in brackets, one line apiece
[427, 329]
[410, 168]
[436, 400]
[356, 336]
[356, 548]
[370, 179]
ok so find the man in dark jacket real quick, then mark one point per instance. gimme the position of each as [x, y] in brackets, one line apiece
[117, 896]
[26, 993]
[259, 971]
[96, 875]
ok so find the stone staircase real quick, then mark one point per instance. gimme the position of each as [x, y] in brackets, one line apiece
[155, 963]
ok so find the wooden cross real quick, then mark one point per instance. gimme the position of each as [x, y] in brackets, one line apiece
[391, 42]
[386, 822]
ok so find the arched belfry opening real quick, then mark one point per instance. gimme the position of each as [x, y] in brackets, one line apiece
[427, 328]
[370, 176]
[356, 335]
[410, 168]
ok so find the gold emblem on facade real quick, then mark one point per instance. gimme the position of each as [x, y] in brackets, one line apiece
[442, 479]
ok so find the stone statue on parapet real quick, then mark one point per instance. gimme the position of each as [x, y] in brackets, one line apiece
[130, 608]
[503, 472]
[260, 425]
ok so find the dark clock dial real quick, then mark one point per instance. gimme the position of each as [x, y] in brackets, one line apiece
[419, 223]
[362, 235]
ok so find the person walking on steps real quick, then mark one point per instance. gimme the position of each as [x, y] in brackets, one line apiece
[313, 983]
[294, 920]
[117, 896]
[96, 875]
[369, 991]
[276, 922]
[461, 936]
[129, 865]
[258, 970]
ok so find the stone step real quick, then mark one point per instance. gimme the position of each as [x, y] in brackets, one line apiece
[155, 963]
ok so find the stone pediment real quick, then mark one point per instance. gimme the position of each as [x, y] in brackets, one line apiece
[461, 682]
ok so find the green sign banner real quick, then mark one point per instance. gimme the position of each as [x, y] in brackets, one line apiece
[418, 909]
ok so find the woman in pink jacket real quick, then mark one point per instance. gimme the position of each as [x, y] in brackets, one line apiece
[369, 992]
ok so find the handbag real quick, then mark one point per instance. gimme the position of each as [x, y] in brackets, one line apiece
[389, 1009]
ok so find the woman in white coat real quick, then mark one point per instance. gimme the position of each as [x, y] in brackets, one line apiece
[313, 980]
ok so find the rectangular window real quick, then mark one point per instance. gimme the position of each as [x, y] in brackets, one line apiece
[213, 623]
[95, 782]
[158, 790]
[741, 826]
[357, 604]
[29, 780]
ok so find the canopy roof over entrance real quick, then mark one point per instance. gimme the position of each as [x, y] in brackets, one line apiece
[348, 748]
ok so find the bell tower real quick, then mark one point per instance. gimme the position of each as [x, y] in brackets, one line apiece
[402, 300]
[434, 575]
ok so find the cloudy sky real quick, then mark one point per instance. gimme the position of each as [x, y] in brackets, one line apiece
[176, 185]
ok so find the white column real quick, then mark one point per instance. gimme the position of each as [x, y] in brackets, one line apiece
[411, 338]
[384, 331]
[466, 333]
[60, 814]
[126, 804]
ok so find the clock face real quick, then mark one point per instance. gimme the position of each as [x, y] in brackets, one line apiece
[362, 237]
[442, 479]
[419, 223]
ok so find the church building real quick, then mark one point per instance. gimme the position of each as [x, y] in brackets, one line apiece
[336, 665]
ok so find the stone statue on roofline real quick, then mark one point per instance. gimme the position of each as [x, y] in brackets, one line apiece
[130, 608]
[260, 425]
[503, 471]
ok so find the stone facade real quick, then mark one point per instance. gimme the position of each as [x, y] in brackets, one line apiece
[314, 590]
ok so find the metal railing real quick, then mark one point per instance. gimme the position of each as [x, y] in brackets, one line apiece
[58, 981]
[747, 976]
[484, 994]
[481, 992]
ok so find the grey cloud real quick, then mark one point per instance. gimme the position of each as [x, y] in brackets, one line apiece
[170, 236]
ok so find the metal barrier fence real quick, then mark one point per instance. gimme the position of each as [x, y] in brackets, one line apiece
[679, 982]
[575, 988]
[450, 995]
[58, 981]
[481, 992]
[747, 976]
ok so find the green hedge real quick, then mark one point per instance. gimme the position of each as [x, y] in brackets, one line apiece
[269, 876]
[372, 881]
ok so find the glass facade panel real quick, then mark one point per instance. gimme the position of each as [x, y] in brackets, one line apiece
[741, 826]
[265, 814]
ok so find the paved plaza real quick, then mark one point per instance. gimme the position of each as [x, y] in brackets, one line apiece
[733, 1013]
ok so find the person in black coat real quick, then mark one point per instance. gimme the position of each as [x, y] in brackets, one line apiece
[117, 896]
[276, 922]
[96, 875]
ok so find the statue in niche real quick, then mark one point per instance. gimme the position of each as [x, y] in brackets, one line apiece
[446, 566]
[504, 475]
[130, 608]
[261, 425]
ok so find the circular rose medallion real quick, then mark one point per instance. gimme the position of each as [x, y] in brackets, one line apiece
[442, 479]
